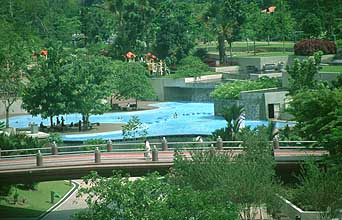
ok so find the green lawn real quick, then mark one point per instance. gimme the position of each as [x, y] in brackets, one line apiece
[37, 202]
[337, 69]
[262, 44]
[261, 54]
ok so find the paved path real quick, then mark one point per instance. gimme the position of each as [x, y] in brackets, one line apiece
[70, 206]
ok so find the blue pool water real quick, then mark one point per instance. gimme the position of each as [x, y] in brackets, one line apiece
[192, 118]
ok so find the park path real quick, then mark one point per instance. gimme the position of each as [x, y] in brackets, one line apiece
[69, 207]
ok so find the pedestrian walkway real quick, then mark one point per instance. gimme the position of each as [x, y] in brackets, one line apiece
[69, 207]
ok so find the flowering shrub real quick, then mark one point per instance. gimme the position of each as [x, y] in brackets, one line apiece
[309, 47]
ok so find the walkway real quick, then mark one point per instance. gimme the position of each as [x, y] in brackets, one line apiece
[69, 207]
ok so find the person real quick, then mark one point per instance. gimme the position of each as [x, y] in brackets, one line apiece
[175, 115]
[147, 153]
[62, 119]
[199, 139]
[58, 121]
[79, 125]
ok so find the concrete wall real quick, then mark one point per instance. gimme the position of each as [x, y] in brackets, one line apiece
[14, 109]
[186, 89]
[255, 102]
[291, 211]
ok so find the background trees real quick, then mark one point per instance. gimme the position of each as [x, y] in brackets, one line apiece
[133, 82]
[225, 18]
[13, 58]
[44, 92]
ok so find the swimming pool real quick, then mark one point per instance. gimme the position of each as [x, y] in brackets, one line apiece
[192, 118]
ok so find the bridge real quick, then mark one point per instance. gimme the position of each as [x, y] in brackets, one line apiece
[73, 162]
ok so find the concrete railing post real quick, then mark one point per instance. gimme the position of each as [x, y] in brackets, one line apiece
[109, 146]
[155, 153]
[54, 148]
[97, 155]
[219, 143]
[164, 144]
[276, 143]
[39, 159]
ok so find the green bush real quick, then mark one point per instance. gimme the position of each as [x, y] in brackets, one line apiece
[339, 43]
[319, 189]
[201, 53]
[18, 141]
[191, 66]
[232, 90]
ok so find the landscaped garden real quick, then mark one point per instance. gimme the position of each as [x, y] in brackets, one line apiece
[76, 65]
[29, 201]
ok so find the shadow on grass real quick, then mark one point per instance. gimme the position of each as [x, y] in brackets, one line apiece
[18, 212]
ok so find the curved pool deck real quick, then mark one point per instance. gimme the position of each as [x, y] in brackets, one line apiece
[192, 118]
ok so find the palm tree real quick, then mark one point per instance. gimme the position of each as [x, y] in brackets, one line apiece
[234, 117]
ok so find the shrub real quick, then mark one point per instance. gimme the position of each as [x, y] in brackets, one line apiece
[309, 47]
[232, 90]
[319, 188]
[18, 141]
[191, 66]
[201, 53]
[339, 43]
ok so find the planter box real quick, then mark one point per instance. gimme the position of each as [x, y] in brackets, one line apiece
[292, 211]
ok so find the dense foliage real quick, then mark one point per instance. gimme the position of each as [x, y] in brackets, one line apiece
[302, 73]
[232, 90]
[311, 46]
[319, 189]
[318, 113]
[191, 66]
[151, 197]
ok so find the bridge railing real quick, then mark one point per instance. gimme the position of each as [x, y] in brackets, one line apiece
[110, 147]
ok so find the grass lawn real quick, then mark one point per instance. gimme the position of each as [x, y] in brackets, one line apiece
[337, 69]
[37, 202]
[259, 44]
[261, 54]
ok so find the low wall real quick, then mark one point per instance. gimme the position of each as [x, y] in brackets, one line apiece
[14, 109]
[186, 89]
[291, 211]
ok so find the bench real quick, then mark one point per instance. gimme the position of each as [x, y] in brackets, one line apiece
[251, 69]
[269, 68]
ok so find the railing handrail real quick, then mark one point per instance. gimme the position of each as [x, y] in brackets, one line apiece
[101, 146]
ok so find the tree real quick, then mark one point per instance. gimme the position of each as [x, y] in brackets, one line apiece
[88, 82]
[225, 18]
[134, 128]
[234, 118]
[284, 22]
[133, 27]
[302, 73]
[150, 197]
[318, 113]
[320, 189]
[251, 27]
[251, 174]
[44, 93]
[133, 82]
[175, 34]
[13, 58]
